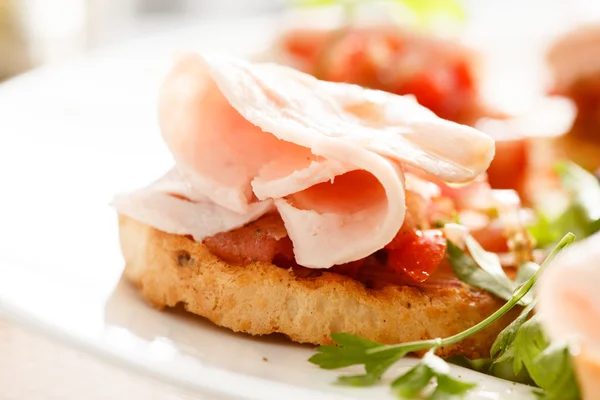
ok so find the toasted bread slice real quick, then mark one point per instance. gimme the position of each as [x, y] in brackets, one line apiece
[261, 298]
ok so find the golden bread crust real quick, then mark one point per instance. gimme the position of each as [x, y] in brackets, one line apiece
[261, 298]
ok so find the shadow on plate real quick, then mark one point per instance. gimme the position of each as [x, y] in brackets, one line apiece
[175, 330]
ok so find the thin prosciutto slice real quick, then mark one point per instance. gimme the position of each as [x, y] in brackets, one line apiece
[328, 155]
[171, 205]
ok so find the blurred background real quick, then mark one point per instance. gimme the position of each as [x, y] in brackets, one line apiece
[35, 32]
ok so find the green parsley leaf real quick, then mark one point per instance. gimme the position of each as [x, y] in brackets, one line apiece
[548, 365]
[526, 270]
[553, 371]
[583, 186]
[529, 342]
[467, 270]
[488, 261]
[544, 231]
[502, 367]
[350, 341]
[507, 336]
[374, 370]
[353, 350]
[415, 382]
[581, 216]
[480, 365]
[449, 387]
[575, 219]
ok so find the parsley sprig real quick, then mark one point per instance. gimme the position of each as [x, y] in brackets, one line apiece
[522, 351]
[377, 358]
[416, 381]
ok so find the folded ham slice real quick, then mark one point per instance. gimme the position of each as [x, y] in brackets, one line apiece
[329, 156]
[171, 205]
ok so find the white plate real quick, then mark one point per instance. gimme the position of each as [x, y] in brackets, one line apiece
[70, 137]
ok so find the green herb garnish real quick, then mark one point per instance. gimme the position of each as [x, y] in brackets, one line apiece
[377, 358]
[484, 276]
[523, 346]
[582, 214]
[416, 381]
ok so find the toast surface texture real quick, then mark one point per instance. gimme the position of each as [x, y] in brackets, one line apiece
[261, 298]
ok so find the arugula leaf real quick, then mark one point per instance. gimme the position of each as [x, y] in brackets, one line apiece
[469, 272]
[416, 380]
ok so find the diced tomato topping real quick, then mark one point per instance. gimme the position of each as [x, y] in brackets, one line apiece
[441, 210]
[260, 240]
[406, 234]
[305, 46]
[509, 166]
[441, 76]
[416, 253]
[428, 91]
[347, 62]
[418, 258]
[491, 238]
[464, 75]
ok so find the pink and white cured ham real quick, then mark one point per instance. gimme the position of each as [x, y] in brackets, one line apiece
[327, 156]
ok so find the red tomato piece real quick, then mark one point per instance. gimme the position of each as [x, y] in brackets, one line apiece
[419, 258]
[426, 89]
[491, 238]
[407, 233]
[464, 76]
[509, 166]
[305, 45]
